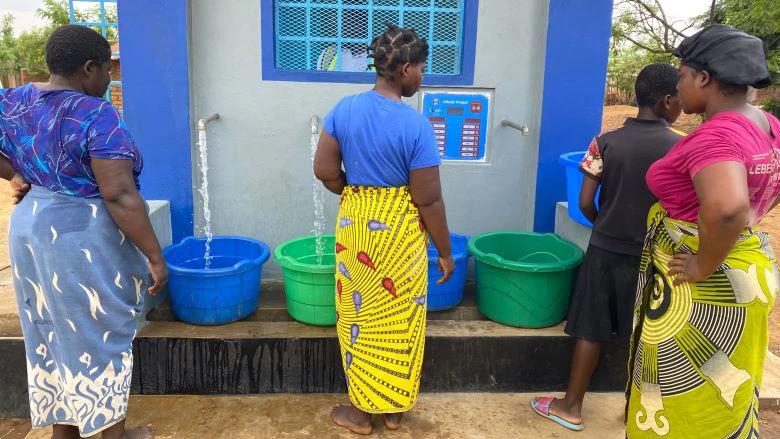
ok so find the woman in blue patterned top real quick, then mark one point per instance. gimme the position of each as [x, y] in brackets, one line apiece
[81, 242]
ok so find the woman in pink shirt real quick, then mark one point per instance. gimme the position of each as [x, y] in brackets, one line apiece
[707, 280]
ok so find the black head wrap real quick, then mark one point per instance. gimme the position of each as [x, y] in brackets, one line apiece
[730, 55]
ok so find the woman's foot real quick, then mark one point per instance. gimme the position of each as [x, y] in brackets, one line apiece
[566, 412]
[556, 410]
[65, 432]
[119, 432]
[353, 419]
[140, 433]
[393, 420]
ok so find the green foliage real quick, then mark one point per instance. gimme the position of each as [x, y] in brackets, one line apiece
[28, 50]
[31, 49]
[756, 17]
[9, 59]
[772, 106]
[642, 34]
[55, 12]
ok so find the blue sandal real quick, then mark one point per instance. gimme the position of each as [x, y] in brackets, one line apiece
[541, 405]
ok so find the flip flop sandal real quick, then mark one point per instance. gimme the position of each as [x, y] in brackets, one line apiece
[541, 406]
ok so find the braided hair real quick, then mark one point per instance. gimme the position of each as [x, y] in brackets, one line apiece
[396, 46]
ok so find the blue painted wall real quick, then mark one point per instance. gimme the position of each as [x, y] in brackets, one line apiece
[575, 74]
[155, 78]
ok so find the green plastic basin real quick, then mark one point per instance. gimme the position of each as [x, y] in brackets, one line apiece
[310, 287]
[524, 279]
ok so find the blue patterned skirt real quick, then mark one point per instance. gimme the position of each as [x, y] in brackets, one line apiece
[79, 287]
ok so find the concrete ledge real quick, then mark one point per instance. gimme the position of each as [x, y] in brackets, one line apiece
[270, 330]
[570, 230]
[273, 306]
[9, 313]
[769, 397]
[263, 357]
[160, 215]
[14, 400]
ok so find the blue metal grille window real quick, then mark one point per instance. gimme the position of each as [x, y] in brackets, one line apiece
[107, 24]
[327, 40]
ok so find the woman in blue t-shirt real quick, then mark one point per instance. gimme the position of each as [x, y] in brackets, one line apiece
[390, 196]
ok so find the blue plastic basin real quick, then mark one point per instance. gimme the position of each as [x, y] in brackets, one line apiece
[228, 291]
[449, 294]
[571, 161]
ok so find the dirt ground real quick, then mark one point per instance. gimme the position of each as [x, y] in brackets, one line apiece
[615, 115]
[14, 428]
[769, 423]
[19, 428]
[5, 212]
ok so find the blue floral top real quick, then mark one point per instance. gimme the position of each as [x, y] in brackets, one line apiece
[50, 135]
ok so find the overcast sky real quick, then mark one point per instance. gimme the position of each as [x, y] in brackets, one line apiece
[24, 10]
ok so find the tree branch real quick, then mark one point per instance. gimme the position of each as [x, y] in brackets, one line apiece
[660, 19]
[712, 12]
[642, 46]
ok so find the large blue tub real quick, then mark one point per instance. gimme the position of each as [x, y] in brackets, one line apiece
[571, 161]
[228, 291]
[449, 294]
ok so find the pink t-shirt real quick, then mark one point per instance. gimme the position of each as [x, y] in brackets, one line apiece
[726, 137]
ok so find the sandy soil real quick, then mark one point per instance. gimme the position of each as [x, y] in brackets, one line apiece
[615, 115]
[5, 212]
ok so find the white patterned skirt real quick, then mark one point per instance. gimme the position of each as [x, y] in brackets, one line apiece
[79, 286]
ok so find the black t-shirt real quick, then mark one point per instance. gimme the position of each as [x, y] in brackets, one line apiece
[619, 160]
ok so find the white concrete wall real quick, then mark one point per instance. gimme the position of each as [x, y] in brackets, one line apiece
[260, 171]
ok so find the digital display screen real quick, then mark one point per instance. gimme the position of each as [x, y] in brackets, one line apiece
[455, 110]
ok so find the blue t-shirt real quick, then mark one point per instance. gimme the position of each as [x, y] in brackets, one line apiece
[381, 139]
[50, 135]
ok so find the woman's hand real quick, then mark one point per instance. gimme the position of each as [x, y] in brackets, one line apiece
[19, 187]
[447, 266]
[128, 209]
[684, 267]
[159, 271]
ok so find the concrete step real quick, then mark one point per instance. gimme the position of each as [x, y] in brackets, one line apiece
[273, 306]
[290, 357]
[441, 415]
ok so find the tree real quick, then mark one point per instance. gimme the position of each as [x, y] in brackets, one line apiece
[31, 50]
[645, 24]
[643, 33]
[9, 59]
[756, 17]
[57, 13]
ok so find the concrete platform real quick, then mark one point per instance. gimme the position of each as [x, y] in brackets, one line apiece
[571, 230]
[290, 357]
[444, 415]
[273, 306]
[9, 315]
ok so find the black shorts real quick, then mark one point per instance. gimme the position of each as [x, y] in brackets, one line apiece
[602, 305]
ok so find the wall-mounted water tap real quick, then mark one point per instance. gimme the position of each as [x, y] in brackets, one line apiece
[522, 128]
[203, 122]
